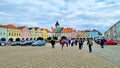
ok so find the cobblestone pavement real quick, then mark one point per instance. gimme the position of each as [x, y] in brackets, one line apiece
[109, 52]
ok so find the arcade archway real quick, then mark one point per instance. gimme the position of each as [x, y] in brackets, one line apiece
[3, 39]
[17, 39]
[10, 40]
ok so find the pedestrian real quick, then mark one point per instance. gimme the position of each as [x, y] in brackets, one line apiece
[90, 43]
[62, 44]
[53, 43]
[69, 42]
[102, 42]
[72, 42]
[80, 43]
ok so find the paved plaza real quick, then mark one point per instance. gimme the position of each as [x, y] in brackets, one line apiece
[69, 57]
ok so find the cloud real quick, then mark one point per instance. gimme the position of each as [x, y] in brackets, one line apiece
[79, 14]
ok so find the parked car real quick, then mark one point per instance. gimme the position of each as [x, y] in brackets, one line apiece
[97, 40]
[28, 42]
[111, 42]
[3, 43]
[0, 42]
[16, 43]
[39, 43]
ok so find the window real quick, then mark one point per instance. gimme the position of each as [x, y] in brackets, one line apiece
[9, 34]
[3, 33]
[0, 33]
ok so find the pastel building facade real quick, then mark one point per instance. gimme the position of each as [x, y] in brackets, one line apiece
[79, 34]
[67, 32]
[94, 34]
[118, 31]
[13, 33]
[44, 34]
[38, 32]
[113, 32]
[3, 33]
[32, 34]
[86, 34]
[25, 33]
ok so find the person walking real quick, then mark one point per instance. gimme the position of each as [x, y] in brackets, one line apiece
[67, 41]
[72, 42]
[53, 43]
[80, 43]
[102, 42]
[62, 44]
[90, 43]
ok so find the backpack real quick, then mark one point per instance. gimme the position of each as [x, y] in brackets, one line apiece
[90, 42]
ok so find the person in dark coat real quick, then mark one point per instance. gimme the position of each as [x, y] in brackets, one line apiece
[80, 43]
[90, 43]
[69, 41]
[102, 42]
[53, 43]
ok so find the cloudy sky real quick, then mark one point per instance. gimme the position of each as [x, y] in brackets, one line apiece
[78, 14]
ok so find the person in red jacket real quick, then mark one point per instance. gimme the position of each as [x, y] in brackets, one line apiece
[62, 43]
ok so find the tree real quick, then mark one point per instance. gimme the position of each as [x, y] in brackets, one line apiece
[49, 38]
[55, 38]
[39, 38]
[63, 37]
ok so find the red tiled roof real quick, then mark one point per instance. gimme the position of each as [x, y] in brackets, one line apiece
[21, 27]
[64, 30]
[87, 30]
[47, 30]
[54, 30]
[10, 26]
[36, 28]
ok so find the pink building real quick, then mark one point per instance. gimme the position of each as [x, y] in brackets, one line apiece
[72, 34]
[25, 33]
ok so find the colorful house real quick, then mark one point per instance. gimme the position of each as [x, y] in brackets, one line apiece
[49, 33]
[95, 34]
[68, 32]
[25, 33]
[118, 31]
[14, 33]
[79, 34]
[86, 34]
[113, 32]
[38, 32]
[3, 33]
[44, 34]
[32, 34]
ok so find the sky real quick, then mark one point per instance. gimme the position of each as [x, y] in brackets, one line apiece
[77, 14]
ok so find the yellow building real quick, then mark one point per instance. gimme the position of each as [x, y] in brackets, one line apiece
[44, 33]
[14, 33]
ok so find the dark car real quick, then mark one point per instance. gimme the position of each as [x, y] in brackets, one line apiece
[1, 42]
[16, 43]
[28, 42]
[39, 43]
[111, 42]
[97, 40]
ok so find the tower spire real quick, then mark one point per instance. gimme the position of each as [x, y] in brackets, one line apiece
[57, 24]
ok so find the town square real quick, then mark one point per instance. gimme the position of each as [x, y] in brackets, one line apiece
[59, 34]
